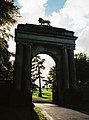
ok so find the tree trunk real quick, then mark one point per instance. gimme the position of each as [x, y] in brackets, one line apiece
[40, 94]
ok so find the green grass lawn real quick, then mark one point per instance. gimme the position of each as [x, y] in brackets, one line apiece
[46, 94]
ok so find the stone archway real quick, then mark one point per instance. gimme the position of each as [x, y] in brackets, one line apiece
[59, 43]
[55, 54]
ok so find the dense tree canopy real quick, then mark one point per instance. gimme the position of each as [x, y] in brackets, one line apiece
[52, 75]
[82, 68]
[8, 14]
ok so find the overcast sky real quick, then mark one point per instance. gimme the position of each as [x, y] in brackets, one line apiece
[69, 14]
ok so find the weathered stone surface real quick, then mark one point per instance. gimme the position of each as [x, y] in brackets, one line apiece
[56, 42]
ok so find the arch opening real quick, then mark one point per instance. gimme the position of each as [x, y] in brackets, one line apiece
[46, 80]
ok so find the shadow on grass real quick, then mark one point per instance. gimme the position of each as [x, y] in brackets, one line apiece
[34, 115]
[45, 97]
[36, 100]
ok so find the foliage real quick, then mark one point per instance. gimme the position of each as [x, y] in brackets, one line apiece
[52, 75]
[8, 14]
[82, 68]
[36, 71]
[37, 63]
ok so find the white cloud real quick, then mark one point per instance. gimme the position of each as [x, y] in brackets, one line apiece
[78, 11]
[73, 16]
[83, 41]
[31, 10]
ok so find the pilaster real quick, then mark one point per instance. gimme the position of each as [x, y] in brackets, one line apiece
[72, 71]
[18, 65]
[27, 59]
[65, 68]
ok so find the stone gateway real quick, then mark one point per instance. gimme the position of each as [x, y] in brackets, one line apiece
[58, 43]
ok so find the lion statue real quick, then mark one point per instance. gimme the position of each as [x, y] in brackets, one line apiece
[42, 21]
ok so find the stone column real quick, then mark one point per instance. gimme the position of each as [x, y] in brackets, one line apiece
[58, 96]
[27, 60]
[72, 71]
[18, 66]
[23, 95]
[26, 91]
[65, 69]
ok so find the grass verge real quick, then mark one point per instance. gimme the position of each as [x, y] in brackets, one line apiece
[39, 113]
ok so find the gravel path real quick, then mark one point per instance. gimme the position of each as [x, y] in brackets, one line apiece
[54, 112]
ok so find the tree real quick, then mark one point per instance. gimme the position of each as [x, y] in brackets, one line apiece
[52, 75]
[82, 68]
[8, 14]
[36, 71]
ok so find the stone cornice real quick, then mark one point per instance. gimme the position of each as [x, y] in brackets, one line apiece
[45, 30]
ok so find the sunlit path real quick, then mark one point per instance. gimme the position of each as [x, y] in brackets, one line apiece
[54, 112]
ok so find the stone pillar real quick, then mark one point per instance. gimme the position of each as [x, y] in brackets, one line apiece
[26, 91]
[58, 84]
[72, 71]
[22, 74]
[18, 66]
[65, 69]
[27, 59]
